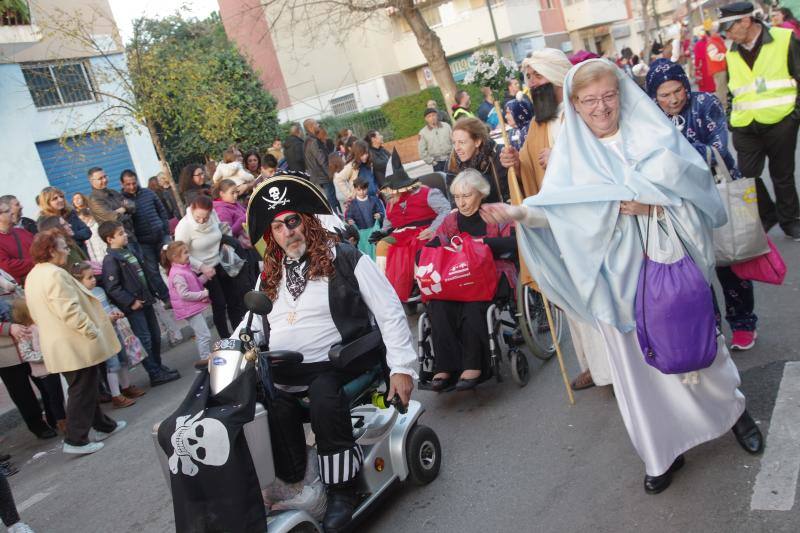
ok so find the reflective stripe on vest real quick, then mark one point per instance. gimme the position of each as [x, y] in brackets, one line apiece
[772, 84]
[766, 93]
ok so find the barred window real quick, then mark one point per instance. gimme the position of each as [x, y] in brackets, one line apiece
[343, 105]
[59, 83]
[15, 13]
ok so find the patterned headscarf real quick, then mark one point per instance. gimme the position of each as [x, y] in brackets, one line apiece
[522, 111]
[663, 70]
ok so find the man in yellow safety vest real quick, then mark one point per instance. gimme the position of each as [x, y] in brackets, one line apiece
[763, 71]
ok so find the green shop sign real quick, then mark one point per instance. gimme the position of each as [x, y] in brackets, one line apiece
[460, 65]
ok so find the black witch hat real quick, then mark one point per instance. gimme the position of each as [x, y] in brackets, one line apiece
[288, 190]
[397, 180]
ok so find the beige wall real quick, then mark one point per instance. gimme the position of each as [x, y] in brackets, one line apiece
[55, 19]
[320, 53]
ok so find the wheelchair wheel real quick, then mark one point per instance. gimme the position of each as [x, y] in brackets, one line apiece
[423, 454]
[520, 370]
[424, 349]
[533, 322]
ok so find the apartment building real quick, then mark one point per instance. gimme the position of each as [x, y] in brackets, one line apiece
[49, 85]
[323, 64]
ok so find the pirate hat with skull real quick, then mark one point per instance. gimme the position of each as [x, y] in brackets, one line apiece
[285, 191]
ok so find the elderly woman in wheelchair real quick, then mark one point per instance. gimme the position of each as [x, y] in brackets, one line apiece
[459, 331]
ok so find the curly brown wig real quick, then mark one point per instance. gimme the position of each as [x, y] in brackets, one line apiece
[318, 250]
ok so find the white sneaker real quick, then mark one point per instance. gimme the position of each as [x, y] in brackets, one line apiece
[20, 527]
[81, 450]
[97, 436]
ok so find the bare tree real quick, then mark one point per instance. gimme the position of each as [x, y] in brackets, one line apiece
[647, 28]
[349, 15]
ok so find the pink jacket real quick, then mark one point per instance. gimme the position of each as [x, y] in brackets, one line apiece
[234, 214]
[186, 292]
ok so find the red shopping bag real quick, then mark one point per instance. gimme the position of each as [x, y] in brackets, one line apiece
[400, 261]
[462, 272]
[768, 268]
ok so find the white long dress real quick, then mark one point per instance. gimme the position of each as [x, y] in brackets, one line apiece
[665, 414]
[588, 342]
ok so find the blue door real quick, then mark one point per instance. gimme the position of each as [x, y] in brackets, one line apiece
[66, 164]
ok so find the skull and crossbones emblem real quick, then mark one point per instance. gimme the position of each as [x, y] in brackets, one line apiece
[275, 198]
[204, 440]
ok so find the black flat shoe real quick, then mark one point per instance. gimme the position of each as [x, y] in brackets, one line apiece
[46, 433]
[748, 435]
[339, 512]
[656, 484]
[440, 384]
[467, 384]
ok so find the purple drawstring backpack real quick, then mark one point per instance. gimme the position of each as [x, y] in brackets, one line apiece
[675, 321]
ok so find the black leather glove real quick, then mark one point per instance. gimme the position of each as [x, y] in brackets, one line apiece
[376, 236]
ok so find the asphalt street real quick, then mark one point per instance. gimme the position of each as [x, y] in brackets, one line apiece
[515, 459]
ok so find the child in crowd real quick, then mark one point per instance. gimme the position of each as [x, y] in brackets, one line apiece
[118, 365]
[232, 169]
[49, 385]
[95, 245]
[127, 288]
[188, 297]
[269, 165]
[363, 213]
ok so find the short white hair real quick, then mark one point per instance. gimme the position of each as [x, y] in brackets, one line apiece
[471, 179]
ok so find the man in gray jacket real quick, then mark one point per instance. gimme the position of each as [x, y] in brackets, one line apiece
[435, 143]
[316, 158]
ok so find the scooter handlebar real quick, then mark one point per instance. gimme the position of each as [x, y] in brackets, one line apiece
[397, 403]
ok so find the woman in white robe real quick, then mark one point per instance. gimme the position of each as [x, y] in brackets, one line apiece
[616, 156]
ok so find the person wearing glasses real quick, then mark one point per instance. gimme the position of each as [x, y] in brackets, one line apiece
[617, 158]
[763, 71]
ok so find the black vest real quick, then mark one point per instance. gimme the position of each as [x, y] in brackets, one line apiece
[349, 312]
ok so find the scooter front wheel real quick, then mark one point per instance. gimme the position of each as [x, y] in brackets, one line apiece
[423, 454]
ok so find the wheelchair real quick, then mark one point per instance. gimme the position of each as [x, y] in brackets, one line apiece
[512, 321]
[395, 445]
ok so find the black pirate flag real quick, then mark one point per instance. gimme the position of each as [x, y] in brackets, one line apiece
[214, 483]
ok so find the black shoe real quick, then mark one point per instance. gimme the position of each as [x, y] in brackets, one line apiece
[468, 384]
[4, 457]
[8, 470]
[339, 513]
[656, 484]
[748, 434]
[162, 377]
[45, 433]
[104, 398]
[440, 384]
[792, 230]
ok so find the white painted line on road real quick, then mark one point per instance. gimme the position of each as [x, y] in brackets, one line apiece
[776, 482]
[33, 500]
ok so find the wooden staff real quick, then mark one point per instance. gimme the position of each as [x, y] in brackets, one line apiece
[516, 199]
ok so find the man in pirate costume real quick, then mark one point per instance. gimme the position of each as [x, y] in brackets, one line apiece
[413, 214]
[323, 293]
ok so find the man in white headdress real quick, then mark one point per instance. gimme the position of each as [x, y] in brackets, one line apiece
[545, 71]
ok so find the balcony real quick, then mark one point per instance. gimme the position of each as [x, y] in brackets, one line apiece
[27, 33]
[470, 29]
[16, 26]
[580, 14]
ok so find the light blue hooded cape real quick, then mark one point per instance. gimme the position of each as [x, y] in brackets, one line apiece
[588, 260]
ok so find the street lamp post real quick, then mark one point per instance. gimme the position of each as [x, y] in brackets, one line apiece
[494, 28]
